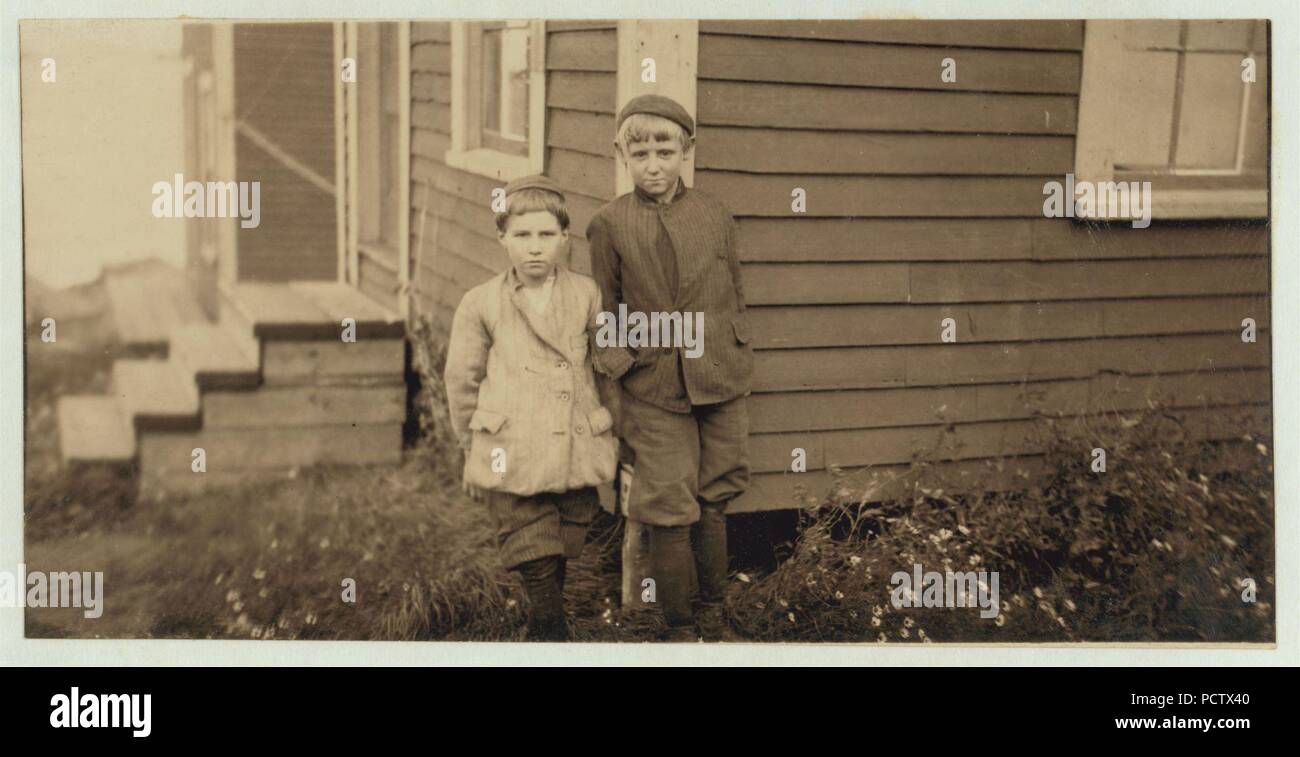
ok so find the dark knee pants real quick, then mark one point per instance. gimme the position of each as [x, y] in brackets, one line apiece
[682, 459]
[688, 467]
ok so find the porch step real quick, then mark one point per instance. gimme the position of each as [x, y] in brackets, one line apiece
[307, 311]
[94, 429]
[146, 299]
[214, 356]
[156, 394]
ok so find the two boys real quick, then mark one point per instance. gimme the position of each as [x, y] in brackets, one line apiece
[660, 248]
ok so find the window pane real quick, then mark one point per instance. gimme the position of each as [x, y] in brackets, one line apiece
[1218, 35]
[1147, 98]
[1144, 35]
[514, 97]
[1211, 111]
[491, 80]
[378, 133]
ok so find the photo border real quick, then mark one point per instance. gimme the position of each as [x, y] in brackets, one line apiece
[1285, 284]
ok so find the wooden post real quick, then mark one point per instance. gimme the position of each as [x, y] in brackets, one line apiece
[673, 46]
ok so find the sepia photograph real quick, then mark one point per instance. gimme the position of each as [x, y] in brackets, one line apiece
[870, 332]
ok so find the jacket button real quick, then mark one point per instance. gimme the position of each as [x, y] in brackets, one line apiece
[564, 396]
[715, 362]
[579, 429]
[562, 364]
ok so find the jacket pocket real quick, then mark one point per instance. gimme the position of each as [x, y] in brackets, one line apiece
[741, 329]
[600, 421]
[486, 420]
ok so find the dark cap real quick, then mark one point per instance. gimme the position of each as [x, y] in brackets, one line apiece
[536, 181]
[658, 105]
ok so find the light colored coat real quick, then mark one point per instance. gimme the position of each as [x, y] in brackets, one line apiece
[521, 390]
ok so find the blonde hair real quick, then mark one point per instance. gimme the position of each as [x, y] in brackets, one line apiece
[532, 200]
[643, 127]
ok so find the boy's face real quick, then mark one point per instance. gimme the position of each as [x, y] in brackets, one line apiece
[534, 242]
[655, 164]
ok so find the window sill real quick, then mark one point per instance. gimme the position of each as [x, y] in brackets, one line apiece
[491, 163]
[1200, 204]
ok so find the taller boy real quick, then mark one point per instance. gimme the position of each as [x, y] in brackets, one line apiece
[663, 248]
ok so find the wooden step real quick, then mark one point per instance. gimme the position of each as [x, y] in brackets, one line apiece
[215, 356]
[340, 301]
[307, 311]
[94, 429]
[157, 395]
[147, 298]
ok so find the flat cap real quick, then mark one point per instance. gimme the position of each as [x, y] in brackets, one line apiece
[536, 181]
[658, 105]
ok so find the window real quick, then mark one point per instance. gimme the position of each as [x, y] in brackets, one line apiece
[497, 98]
[1170, 102]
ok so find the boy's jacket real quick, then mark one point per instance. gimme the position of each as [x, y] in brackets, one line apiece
[703, 236]
[521, 391]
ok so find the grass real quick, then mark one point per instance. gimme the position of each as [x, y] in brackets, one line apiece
[1153, 552]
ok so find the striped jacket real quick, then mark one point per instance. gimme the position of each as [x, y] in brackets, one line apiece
[622, 238]
[521, 391]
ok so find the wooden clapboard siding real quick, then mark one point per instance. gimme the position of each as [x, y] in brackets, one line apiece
[914, 406]
[792, 106]
[925, 202]
[772, 240]
[840, 152]
[453, 233]
[1024, 34]
[590, 91]
[805, 326]
[580, 124]
[876, 196]
[861, 64]
[1036, 281]
[873, 367]
[774, 453]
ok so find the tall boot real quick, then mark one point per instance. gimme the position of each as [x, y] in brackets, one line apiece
[709, 537]
[670, 567]
[545, 598]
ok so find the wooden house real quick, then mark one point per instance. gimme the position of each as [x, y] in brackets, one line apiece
[908, 295]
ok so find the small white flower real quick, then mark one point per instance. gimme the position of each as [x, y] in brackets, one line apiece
[742, 577]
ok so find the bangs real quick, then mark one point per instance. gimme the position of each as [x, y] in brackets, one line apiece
[533, 201]
[646, 127]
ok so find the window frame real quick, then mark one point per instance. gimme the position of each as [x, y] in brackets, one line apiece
[1096, 136]
[486, 161]
[394, 258]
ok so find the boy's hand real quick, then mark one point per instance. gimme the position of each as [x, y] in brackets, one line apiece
[473, 492]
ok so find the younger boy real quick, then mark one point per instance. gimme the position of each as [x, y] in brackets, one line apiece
[523, 400]
[664, 248]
